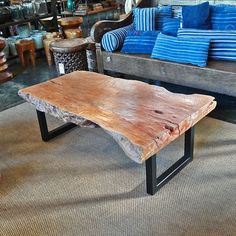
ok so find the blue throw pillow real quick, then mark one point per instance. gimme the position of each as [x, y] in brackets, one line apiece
[197, 16]
[223, 43]
[223, 17]
[171, 26]
[162, 12]
[139, 42]
[189, 51]
[113, 40]
[144, 19]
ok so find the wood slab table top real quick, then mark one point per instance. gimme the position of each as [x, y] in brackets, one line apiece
[142, 118]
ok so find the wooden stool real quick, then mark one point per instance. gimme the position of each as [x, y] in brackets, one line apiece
[70, 55]
[26, 51]
[4, 74]
[70, 27]
[49, 38]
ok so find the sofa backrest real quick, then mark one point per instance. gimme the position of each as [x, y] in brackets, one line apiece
[190, 2]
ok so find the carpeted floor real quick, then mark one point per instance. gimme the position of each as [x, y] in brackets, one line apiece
[82, 183]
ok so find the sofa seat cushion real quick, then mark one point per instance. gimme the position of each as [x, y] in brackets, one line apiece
[223, 43]
[113, 40]
[223, 17]
[139, 42]
[181, 50]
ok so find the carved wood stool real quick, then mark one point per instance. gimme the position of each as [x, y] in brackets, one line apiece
[70, 55]
[26, 51]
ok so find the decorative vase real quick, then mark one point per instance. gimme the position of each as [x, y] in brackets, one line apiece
[23, 30]
[70, 5]
[38, 40]
[12, 44]
[6, 50]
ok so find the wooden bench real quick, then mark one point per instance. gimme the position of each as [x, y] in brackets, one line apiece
[141, 118]
[218, 76]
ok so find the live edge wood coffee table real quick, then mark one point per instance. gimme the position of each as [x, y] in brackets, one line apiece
[141, 118]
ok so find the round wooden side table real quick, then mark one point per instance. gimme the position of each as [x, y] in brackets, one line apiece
[70, 55]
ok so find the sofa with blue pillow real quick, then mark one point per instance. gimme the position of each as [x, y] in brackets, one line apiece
[190, 45]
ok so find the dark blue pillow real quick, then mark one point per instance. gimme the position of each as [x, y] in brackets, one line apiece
[189, 51]
[139, 42]
[197, 16]
[223, 17]
[171, 26]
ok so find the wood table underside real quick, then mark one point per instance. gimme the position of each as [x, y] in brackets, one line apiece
[142, 118]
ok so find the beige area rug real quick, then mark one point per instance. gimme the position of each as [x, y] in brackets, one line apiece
[81, 183]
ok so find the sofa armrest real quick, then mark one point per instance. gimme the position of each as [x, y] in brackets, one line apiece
[102, 27]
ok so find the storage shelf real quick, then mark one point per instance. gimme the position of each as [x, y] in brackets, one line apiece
[5, 25]
[89, 12]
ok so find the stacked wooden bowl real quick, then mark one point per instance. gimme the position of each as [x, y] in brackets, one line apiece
[71, 27]
[4, 74]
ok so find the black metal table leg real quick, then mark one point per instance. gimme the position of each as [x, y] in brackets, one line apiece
[153, 182]
[47, 135]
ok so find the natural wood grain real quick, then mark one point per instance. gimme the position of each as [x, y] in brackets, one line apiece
[142, 118]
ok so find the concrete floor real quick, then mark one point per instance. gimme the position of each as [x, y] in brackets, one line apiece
[23, 78]
[226, 109]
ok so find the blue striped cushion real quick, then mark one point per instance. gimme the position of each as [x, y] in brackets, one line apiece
[190, 51]
[113, 40]
[139, 42]
[223, 43]
[162, 12]
[144, 19]
[223, 17]
[171, 26]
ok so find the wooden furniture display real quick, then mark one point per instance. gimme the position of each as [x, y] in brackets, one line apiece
[35, 19]
[92, 16]
[70, 27]
[141, 118]
[218, 76]
[5, 75]
[26, 51]
[70, 55]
